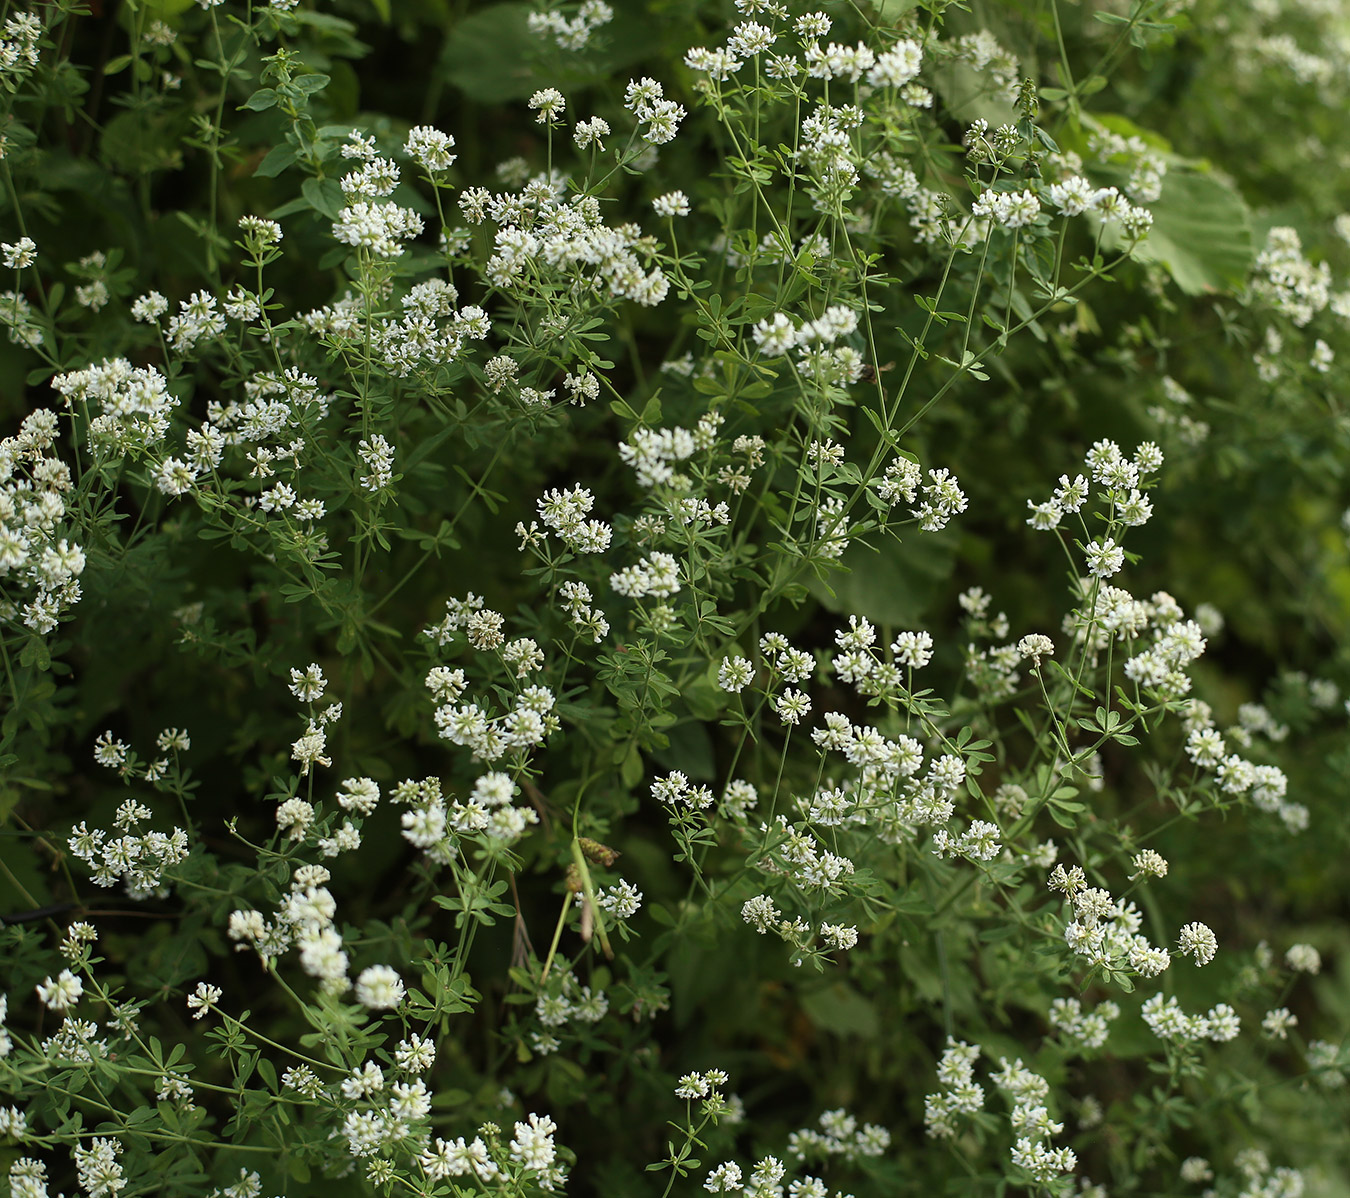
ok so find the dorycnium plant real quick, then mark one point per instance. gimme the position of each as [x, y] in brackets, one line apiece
[669, 598]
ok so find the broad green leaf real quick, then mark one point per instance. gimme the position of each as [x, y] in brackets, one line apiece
[894, 586]
[486, 54]
[1202, 233]
[842, 1010]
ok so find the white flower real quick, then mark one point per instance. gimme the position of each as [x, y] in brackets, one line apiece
[379, 988]
[1199, 942]
[673, 203]
[61, 994]
[549, 103]
[1277, 1023]
[898, 65]
[1104, 558]
[1303, 958]
[19, 254]
[913, 649]
[622, 901]
[1149, 863]
[791, 706]
[1035, 645]
[203, 999]
[430, 148]
[735, 674]
[308, 685]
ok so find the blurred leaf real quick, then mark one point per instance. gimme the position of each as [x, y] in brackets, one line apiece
[842, 1010]
[894, 586]
[1202, 233]
[487, 54]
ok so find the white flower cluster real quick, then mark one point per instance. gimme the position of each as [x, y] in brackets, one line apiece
[1105, 930]
[430, 148]
[658, 576]
[542, 241]
[571, 33]
[651, 452]
[383, 1117]
[645, 99]
[531, 1150]
[137, 859]
[35, 558]
[1089, 1028]
[197, 320]
[675, 791]
[309, 749]
[431, 332]
[17, 314]
[378, 457]
[1032, 1123]
[529, 722]
[840, 1137]
[565, 1000]
[1174, 413]
[1325, 1064]
[979, 842]
[61, 993]
[800, 856]
[1168, 1021]
[129, 406]
[304, 919]
[960, 1095]
[942, 499]
[983, 53]
[828, 869]
[1285, 279]
[489, 737]
[1303, 958]
[621, 901]
[1283, 53]
[19, 255]
[97, 1167]
[565, 514]
[379, 988]
[1121, 482]
[369, 220]
[28, 1178]
[1007, 209]
[1161, 665]
[20, 46]
[890, 784]
[1265, 785]
[1261, 1181]
[577, 603]
[1146, 165]
[900, 481]
[784, 663]
[1198, 941]
[818, 355]
[860, 664]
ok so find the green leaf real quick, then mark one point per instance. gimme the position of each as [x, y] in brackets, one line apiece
[309, 84]
[842, 1010]
[488, 53]
[261, 100]
[278, 158]
[1202, 233]
[894, 586]
[324, 195]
